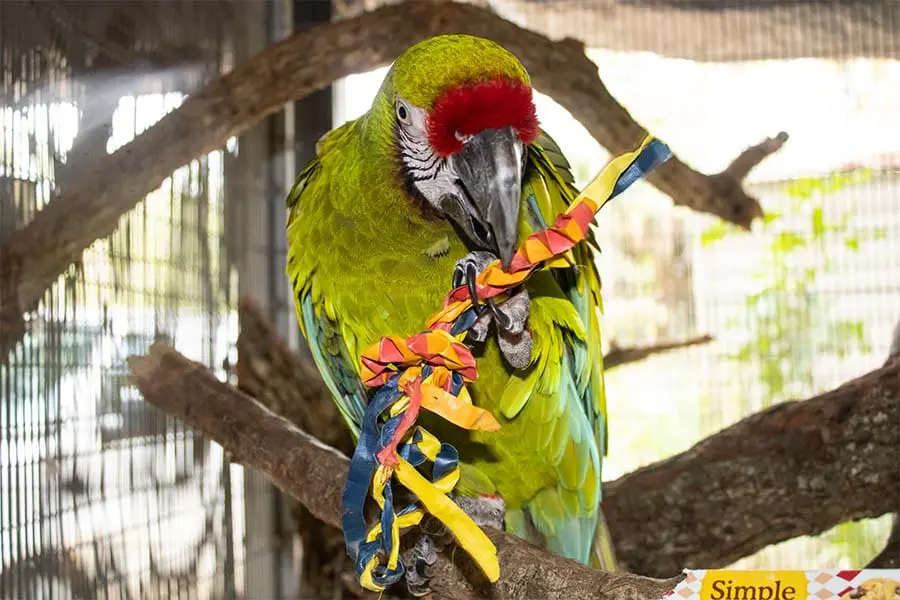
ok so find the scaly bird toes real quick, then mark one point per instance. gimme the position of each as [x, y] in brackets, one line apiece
[479, 260]
[423, 555]
[486, 511]
[510, 317]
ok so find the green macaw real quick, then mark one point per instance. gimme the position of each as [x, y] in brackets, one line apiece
[447, 170]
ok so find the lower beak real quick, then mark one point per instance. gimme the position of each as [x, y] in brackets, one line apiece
[489, 166]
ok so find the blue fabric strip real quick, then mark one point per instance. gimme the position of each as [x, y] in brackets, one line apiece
[654, 154]
[362, 468]
[374, 436]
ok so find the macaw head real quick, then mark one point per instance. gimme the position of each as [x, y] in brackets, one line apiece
[461, 114]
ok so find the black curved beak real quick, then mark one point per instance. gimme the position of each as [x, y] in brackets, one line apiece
[489, 167]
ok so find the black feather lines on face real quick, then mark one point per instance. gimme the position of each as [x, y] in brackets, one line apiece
[417, 163]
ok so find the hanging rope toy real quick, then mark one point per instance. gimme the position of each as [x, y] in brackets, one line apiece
[430, 371]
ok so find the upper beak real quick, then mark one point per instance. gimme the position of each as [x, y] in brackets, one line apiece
[489, 166]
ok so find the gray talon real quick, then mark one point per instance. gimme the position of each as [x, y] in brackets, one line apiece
[515, 341]
[511, 317]
[486, 511]
[424, 553]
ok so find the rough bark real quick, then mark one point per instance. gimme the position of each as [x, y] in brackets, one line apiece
[314, 474]
[889, 557]
[798, 468]
[34, 257]
[289, 385]
[768, 470]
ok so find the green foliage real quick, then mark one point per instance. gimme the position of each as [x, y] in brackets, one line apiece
[789, 327]
[856, 543]
[786, 324]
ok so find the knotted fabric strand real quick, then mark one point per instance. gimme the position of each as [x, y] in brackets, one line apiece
[430, 371]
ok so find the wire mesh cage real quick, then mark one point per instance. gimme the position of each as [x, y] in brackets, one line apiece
[102, 496]
[803, 303]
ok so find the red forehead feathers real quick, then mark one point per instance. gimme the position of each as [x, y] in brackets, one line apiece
[471, 108]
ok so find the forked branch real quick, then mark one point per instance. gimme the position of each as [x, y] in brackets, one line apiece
[35, 256]
[314, 474]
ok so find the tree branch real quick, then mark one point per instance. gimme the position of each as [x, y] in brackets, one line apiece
[35, 256]
[798, 468]
[314, 474]
[289, 385]
[889, 557]
[618, 356]
[767, 472]
[747, 160]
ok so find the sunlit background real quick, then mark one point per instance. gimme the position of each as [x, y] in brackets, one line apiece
[805, 302]
[100, 496]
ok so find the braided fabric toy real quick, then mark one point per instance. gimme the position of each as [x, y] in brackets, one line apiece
[430, 371]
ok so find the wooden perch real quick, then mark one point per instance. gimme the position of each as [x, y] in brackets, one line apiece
[90, 209]
[798, 468]
[289, 385]
[314, 474]
[618, 356]
[795, 469]
[889, 557]
[657, 533]
[756, 483]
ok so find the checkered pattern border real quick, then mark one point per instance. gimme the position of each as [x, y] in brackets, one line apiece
[821, 585]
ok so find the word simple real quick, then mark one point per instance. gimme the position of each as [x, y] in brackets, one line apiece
[728, 590]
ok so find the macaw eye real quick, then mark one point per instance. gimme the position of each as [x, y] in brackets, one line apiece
[403, 114]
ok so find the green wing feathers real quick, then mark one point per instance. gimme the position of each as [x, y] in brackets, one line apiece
[546, 459]
[567, 384]
[321, 326]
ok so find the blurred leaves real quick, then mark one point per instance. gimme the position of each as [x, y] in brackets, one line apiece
[786, 328]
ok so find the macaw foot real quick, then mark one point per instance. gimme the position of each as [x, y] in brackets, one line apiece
[423, 555]
[486, 511]
[511, 317]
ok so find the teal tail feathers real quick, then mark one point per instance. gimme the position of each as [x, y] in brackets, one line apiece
[585, 539]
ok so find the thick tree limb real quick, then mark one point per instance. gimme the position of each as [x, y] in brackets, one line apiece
[759, 482]
[889, 557]
[34, 257]
[290, 386]
[618, 356]
[795, 469]
[314, 474]
[769, 470]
